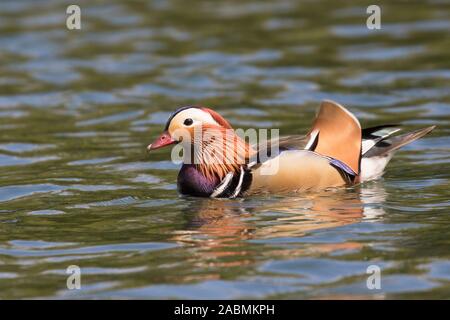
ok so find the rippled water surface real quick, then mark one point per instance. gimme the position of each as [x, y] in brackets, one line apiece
[77, 187]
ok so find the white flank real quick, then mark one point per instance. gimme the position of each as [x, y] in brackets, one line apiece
[373, 168]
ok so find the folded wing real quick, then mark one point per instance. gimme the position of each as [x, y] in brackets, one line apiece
[336, 133]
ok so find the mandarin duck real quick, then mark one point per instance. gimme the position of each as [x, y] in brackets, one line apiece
[336, 152]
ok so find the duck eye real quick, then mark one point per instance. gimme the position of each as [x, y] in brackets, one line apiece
[188, 122]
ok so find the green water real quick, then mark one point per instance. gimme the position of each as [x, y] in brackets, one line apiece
[77, 187]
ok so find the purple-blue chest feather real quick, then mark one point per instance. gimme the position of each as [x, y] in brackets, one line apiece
[192, 182]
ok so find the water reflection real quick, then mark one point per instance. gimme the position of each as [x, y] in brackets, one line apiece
[219, 227]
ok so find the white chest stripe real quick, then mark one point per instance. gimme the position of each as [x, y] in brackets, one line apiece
[226, 183]
[222, 186]
[239, 186]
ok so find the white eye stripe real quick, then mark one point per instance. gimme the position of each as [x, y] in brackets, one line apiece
[197, 115]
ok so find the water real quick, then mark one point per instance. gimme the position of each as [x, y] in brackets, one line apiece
[77, 187]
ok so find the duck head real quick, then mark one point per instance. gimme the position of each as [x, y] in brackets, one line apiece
[211, 149]
[184, 122]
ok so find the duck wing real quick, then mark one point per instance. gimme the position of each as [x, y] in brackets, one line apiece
[298, 170]
[336, 133]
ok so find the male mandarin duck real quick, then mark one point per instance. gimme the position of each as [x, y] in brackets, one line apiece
[217, 162]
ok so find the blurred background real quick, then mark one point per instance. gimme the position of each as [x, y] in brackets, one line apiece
[78, 107]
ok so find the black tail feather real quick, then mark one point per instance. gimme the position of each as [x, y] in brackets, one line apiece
[388, 145]
[369, 133]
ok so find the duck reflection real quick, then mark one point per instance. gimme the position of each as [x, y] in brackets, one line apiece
[218, 228]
